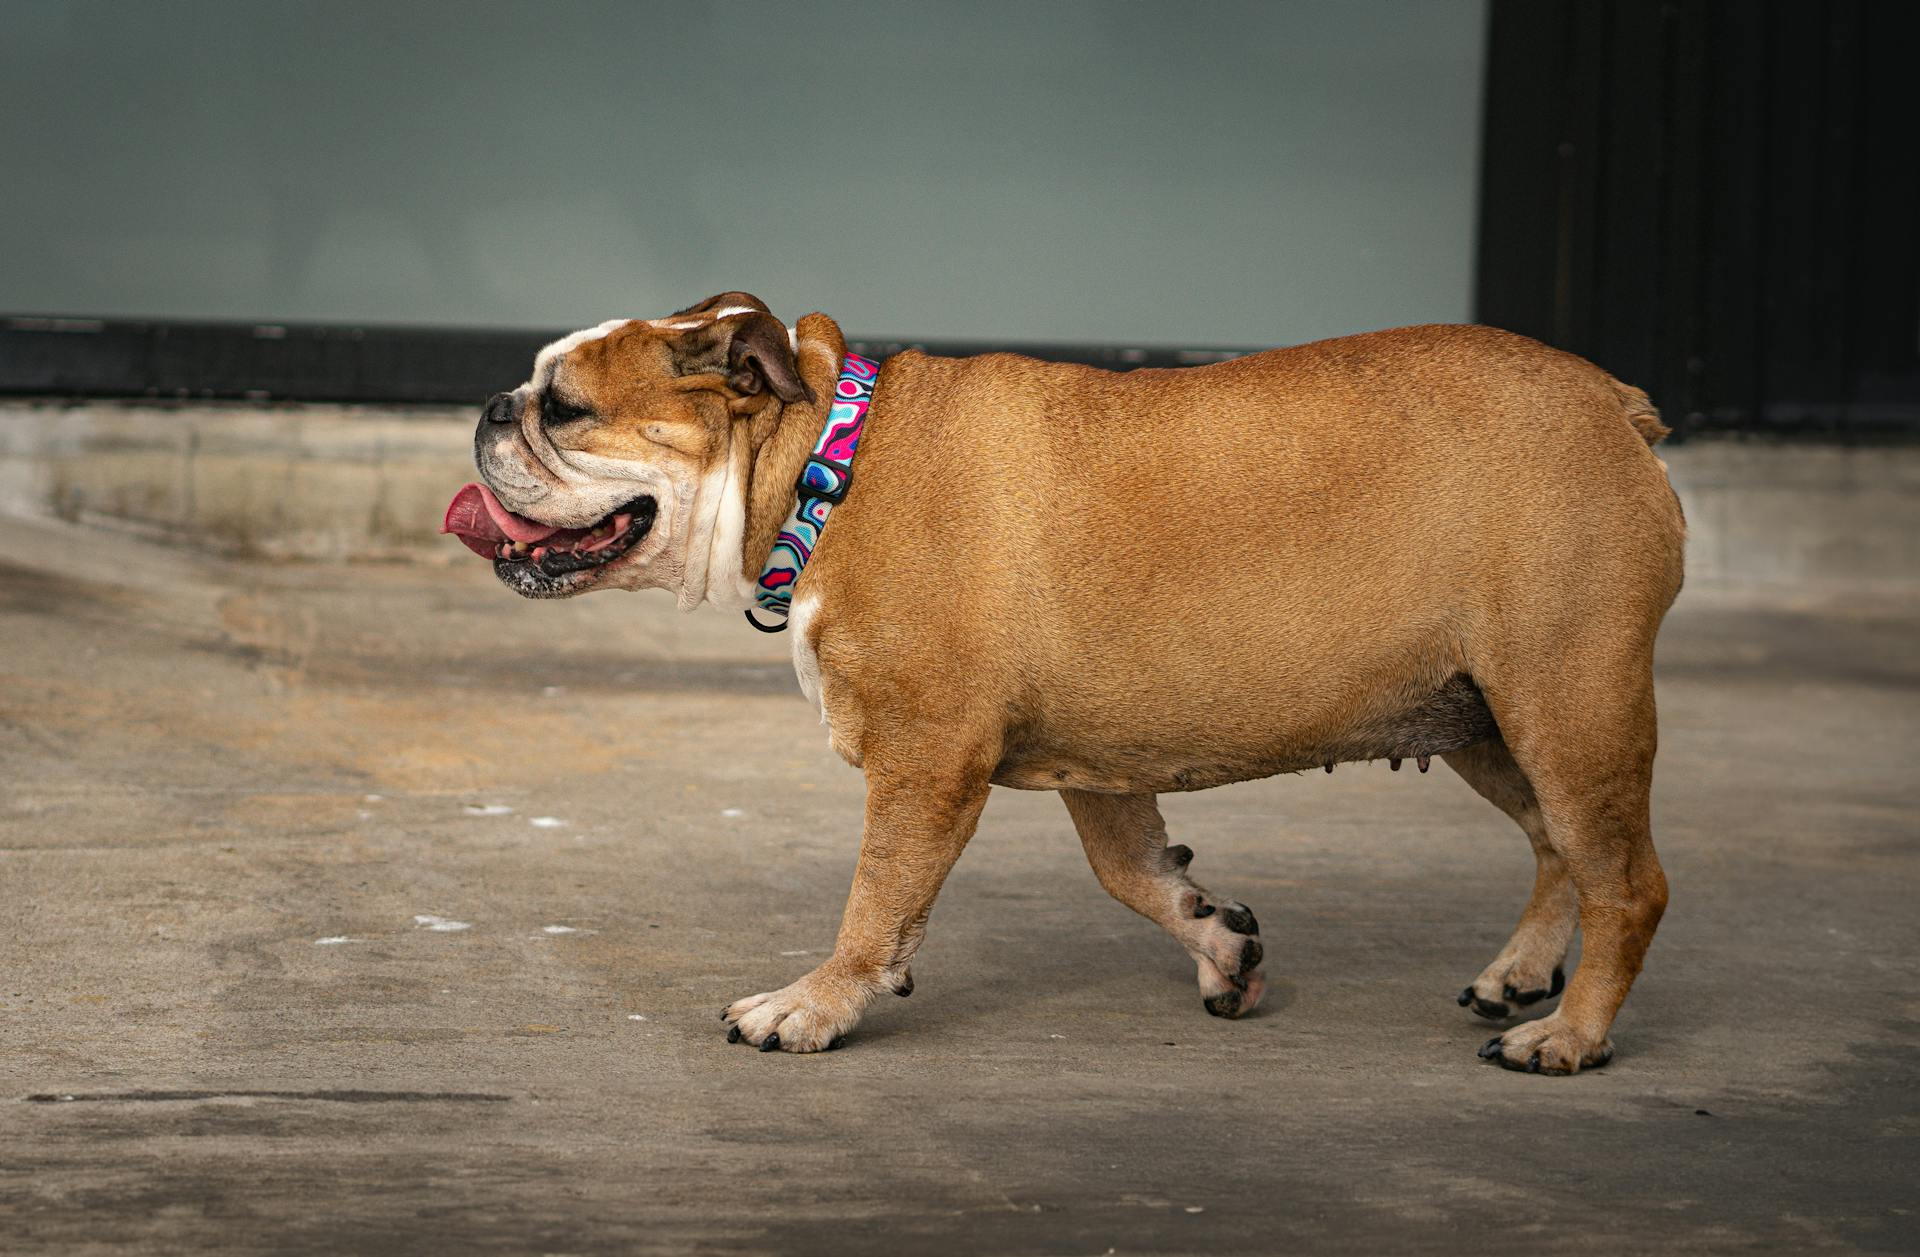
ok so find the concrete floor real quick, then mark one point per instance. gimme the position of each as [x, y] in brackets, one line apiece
[234, 790]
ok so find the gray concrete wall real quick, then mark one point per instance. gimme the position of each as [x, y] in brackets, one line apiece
[1248, 172]
[330, 482]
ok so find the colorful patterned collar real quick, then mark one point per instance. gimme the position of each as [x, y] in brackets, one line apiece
[822, 486]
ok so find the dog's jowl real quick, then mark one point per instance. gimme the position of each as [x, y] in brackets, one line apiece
[1435, 542]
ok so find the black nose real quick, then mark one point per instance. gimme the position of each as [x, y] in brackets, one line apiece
[499, 409]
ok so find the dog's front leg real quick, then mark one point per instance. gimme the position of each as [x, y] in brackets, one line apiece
[917, 823]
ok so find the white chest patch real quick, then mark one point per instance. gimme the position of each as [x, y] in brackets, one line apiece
[806, 661]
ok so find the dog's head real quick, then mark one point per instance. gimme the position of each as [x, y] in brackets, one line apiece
[618, 464]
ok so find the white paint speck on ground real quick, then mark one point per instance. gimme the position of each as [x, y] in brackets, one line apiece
[337, 938]
[547, 822]
[488, 809]
[440, 925]
[558, 929]
[732, 813]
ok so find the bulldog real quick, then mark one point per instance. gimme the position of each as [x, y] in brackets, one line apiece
[1435, 542]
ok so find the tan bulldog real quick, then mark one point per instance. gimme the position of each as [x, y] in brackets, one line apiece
[1435, 541]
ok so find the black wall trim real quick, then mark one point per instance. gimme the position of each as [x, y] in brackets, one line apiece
[67, 357]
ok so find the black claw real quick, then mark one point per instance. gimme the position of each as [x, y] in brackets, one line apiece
[1239, 920]
[770, 1044]
[1559, 983]
[1202, 909]
[1251, 954]
[1466, 996]
[1181, 855]
[1492, 1010]
[733, 1034]
[1225, 1004]
[1533, 1064]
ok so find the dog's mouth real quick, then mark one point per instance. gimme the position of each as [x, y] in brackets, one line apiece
[541, 560]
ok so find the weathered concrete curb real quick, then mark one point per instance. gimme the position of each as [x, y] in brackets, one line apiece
[324, 482]
[1770, 514]
[333, 482]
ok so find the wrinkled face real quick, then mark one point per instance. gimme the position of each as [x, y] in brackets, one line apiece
[618, 464]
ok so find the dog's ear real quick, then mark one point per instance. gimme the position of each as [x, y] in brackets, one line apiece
[746, 344]
[725, 301]
[761, 356]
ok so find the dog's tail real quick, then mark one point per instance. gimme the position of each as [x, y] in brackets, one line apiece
[1640, 412]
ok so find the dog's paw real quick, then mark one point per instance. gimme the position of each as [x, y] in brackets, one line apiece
[1227, 953]
[1550, 1045]
[1510, 985]
[809, 1016]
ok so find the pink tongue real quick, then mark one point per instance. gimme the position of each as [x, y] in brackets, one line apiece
[476, 517]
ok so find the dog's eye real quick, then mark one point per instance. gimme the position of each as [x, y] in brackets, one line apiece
[556, 410]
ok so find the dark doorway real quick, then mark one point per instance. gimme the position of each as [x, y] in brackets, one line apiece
[1716, 200]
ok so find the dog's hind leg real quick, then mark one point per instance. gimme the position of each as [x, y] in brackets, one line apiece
[1126, 843]
[1528, 969]
[1582, 730]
